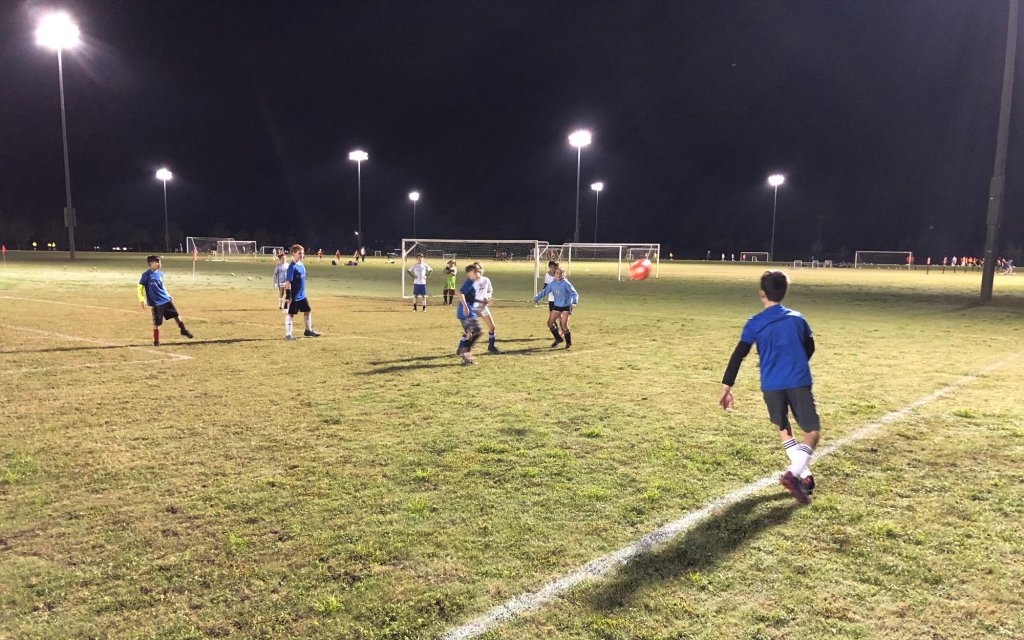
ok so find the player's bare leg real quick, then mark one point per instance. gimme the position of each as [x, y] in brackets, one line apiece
[553, 327]
[564, 321]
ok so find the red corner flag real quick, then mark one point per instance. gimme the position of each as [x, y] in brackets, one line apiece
[195, 254]
[3, 248]
[640, 269]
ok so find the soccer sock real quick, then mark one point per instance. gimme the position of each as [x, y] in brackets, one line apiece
[288, 324]
[800, 459]
[462, 343]
[554, 332]
[790, 447]
[568, 338]
[156, 335]
[309, 321]
[490, 340]
[472, 341]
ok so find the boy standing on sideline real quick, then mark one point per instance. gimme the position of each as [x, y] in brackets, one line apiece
[419, 272]
[450, 272]
[151, 291]
[785, 345]
[484, 293]
[565, 300]
[280, 277]
[464, 312]
[296, 286]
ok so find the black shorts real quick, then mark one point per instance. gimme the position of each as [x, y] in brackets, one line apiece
[551, 305]
[800, 400]
[560, 309]
[299, 306]
[163, 312]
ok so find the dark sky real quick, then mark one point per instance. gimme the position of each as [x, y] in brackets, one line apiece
[882, 115]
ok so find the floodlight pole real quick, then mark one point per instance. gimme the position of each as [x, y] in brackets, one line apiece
[997, 186]
[69, 212]
[579, 157]
[167, 229]
[775, 206]
[597, 204]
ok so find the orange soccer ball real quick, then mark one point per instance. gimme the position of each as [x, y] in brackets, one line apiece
[640, 269]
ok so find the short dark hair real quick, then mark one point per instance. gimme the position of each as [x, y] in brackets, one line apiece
[774, 284]
[152, 259]
[419, 255]
[471, 267]
[552, 263]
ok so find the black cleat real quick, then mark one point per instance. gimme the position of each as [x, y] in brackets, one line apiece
[808, 483]
[185, 332]
[493, 349]
[795, 487]
[556, 343]
[156, 343]
[309, 333]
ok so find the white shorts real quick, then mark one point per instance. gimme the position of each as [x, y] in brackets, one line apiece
[483, 312]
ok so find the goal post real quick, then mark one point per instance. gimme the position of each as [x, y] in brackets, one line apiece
[270, 250]
[230, 248]
[510, 264]
[883, 259]
[754, 256]
[202, 244]
[620, 254]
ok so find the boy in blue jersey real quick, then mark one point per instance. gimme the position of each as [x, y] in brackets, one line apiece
[785, 345]
[295, 284]
[152, 293]
[561, 305]
[467, 316]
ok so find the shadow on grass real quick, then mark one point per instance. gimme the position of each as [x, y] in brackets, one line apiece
[698, 552]
[170, 345]
[477, 350]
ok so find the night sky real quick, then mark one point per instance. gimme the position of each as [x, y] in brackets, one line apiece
[882, 115]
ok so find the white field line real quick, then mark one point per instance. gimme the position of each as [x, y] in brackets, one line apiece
[604, 565]
[67, 367]
[166, 355]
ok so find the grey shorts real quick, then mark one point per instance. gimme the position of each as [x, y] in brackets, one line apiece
[800, 400]
[470, 325]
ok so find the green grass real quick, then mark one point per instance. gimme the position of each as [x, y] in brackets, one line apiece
[362, 485]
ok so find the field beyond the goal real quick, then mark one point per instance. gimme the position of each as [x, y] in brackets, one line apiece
[363, 485]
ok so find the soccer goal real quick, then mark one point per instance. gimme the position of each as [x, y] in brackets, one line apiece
[203, 245]
[510, 264]
[754, 256]
[270, 250]
[883, 259]
[620, 255]
[232, 248]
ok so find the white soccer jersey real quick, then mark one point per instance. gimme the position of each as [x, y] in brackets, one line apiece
[484, 291]
[548, 279]
[420, 272]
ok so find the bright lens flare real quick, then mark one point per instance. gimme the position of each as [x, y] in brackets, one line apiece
[358, 156]
[56, 31]
[579, 138]
[164, 174]
[597, 186]
[776, 180]
[414, 196]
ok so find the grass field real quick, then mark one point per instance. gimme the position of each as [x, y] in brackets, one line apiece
[363, 485]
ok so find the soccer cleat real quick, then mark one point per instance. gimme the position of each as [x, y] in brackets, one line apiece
[156, 343]
[568, 346]
[289, 337]
[557, 342]
[808, 483]
[309, 333]
[468, 361]
[795, 487]
[492, 349]
[185, 332]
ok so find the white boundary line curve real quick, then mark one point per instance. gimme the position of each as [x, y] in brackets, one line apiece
[604, 565]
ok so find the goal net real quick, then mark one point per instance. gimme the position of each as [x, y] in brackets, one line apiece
[203, 245]
[618, 255]
[510, 264]
[271, 250]
[754, 256]
[231, 248]
[883, 259]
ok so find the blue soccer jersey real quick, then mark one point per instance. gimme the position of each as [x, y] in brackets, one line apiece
[467, 289]
[780, 337]
[153, 283]
[297, 276]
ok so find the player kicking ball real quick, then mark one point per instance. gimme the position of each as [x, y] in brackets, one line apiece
[151, 291]
[565, 300]
[295, 284]
[785, 345]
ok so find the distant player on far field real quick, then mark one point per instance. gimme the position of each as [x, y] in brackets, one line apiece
[419, 272]
[561, 307]
[280, 277]
[450, 272]
[296, 286]
[785, 345]
[151, 291]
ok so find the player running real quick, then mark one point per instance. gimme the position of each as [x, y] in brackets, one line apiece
[467, 316]
[484, 294]
[565, 300]
[296, 286]
[151, 291]
[785, 345]
[419, 272]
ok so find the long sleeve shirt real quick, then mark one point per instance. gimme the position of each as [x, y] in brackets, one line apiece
[563, 291]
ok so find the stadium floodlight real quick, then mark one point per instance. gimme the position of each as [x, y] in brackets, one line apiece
[57, 31]
[164, 174]
[774, 181]
[359, 156]
[415, 197]
[579, 139]
[597, 188]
